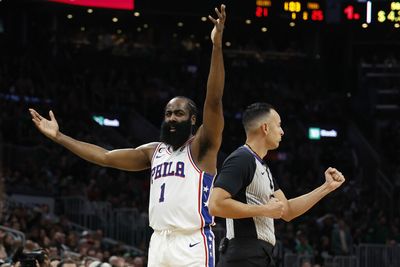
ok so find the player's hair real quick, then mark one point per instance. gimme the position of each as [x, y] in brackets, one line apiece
[190, 105]
[254, 112]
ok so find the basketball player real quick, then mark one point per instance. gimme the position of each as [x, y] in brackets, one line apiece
[182, 168]
[246, 193]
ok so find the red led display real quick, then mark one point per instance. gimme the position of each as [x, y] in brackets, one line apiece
[261, 12]
[317, 15]
[114, 4]
[350, 13]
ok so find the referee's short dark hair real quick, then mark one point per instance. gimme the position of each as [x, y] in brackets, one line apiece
[254, 112]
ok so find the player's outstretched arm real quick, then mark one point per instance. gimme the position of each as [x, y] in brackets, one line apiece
[131, 159]
[299, 205]
[222, 204]
[210, 133]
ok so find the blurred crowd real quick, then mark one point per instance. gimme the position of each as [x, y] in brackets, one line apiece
[59, 240]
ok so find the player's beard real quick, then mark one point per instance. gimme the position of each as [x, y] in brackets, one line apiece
[182, 132]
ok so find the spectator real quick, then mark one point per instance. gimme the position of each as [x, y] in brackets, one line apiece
[341, 239]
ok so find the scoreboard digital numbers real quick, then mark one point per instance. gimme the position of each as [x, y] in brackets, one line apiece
[363, 12]
[295, 10]
[375, 12]
[304, 10]
[388, 12]
[262, 8]
[357, 12]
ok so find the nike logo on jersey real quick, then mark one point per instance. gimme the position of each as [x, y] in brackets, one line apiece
[158, 156]
[192, 245]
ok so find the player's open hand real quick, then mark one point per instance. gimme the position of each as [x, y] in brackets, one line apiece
[333, 178]
[219, 23]
[48, 127]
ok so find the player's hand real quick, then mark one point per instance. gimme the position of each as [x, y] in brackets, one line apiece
[216, 34]
[333, 178]
[48, 127]
[274, 208]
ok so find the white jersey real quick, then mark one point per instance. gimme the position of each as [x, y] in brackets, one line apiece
[179, 190]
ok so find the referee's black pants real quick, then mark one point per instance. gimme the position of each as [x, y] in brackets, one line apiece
[245, 252]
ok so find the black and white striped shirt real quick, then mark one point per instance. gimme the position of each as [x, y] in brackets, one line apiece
[248, 179]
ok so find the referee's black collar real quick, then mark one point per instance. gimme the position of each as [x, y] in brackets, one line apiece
[254, 154]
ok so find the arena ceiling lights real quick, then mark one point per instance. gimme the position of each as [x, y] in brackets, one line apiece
[114, 4]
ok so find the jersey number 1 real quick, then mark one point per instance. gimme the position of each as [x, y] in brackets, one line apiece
[162, 193]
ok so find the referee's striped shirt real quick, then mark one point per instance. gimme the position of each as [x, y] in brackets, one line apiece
[248, 179]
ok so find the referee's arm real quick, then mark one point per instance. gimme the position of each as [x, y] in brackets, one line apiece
[299, 205]
[222, 204]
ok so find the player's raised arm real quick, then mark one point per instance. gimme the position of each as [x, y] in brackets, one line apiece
[209, 135]
[130, 159]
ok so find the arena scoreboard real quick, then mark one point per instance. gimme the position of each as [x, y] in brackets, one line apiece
[375, 12]
[295, 10]
[387, 12]
[304, 10]
[353, 11]
[309, 11]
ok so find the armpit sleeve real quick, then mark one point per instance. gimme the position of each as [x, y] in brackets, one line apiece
[237, 172]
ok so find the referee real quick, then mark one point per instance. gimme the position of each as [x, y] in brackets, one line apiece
[247, 195]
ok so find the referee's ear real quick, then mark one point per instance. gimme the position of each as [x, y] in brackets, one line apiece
[265, 128]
